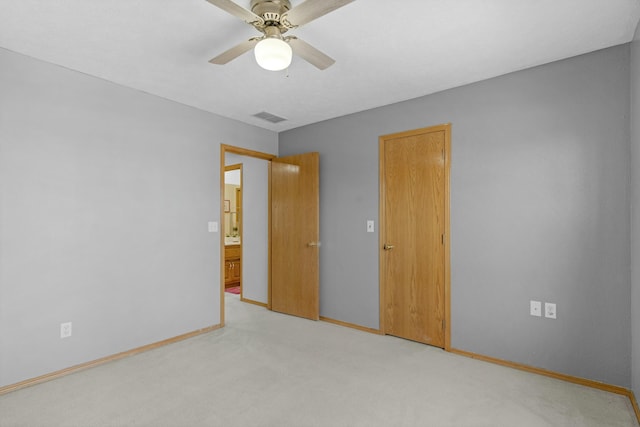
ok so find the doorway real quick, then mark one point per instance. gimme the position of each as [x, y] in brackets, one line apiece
[248, 245]
[232, 225]
[414, 235]
[292, 182]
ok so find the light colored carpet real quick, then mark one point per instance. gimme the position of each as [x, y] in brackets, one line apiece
[268, 369]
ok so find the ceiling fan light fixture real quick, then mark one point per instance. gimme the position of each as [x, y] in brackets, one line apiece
[273, 54]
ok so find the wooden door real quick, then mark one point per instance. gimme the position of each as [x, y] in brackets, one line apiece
[295, 233]
[414, 192]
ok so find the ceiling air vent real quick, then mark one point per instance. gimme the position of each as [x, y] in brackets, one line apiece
[269, 117]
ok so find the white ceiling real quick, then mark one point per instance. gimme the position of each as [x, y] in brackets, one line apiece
[385, 51]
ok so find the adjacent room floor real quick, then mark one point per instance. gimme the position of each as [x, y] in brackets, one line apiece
[268, 369]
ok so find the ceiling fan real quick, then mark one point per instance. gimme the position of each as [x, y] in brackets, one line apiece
[273, 18]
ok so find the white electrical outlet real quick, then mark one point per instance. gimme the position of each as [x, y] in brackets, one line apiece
[370, 226]
[549, 310]
[535, 308]
[65, 330]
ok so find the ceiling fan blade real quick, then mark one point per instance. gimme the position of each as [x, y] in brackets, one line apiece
[239, 11]
[310, 10]
[235, 51]
[309, 53]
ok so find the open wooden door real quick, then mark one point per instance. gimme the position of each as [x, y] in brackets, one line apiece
[295, 234]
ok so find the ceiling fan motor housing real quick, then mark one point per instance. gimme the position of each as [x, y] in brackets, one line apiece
[270, 10]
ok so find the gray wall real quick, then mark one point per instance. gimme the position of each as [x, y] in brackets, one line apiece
[539, 210]
[105, 195]
[635, 211]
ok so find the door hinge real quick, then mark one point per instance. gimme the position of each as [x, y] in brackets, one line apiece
[444, 325]
[443, 239]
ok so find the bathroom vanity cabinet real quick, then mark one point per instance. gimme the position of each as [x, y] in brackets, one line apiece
[232, 265]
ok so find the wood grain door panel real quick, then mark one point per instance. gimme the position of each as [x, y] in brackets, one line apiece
[295, 233]
[414, 209]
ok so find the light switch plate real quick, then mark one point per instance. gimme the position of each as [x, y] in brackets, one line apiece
[213, 227]
[65, 330]
[370, 226]
[535, 308]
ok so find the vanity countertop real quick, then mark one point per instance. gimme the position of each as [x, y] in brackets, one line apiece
[229, 241]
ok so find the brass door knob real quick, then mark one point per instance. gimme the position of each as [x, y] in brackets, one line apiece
[388, 247]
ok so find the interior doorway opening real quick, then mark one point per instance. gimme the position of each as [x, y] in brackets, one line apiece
[232, 228]
[244, 237]
[279, 252]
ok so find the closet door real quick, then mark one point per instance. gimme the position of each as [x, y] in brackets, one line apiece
[414, 221]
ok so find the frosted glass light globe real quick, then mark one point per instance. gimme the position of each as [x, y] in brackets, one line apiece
[273, 54]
